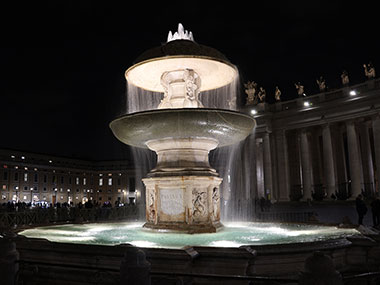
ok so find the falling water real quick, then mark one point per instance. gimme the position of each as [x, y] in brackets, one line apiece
[144, 161]
[222, 98]
[232, 163]
[225, 97]
[141, 100]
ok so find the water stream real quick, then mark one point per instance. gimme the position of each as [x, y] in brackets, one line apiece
[232, 163]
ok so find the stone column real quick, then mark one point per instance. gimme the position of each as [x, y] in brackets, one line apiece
[328, 161]
[354, 160]
[275, 190]
[259, 168]
[316, 155]
[294, 162]
[268, 184]
[306, 166]
[340, 159]
[368, 174]
[376, 138]
[282, 166]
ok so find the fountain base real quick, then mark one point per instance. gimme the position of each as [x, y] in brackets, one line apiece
[182, 191]
[185, 228]
[188, 204]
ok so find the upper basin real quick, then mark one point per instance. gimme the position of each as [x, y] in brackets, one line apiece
[213, 67]
[228, 127]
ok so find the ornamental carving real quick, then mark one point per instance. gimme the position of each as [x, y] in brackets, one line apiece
[151, 207]
[199, 203]
[215, 203]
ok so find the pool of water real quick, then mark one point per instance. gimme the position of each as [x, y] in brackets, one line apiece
[232, 235]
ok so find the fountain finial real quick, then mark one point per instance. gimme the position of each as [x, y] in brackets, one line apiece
[181, 34]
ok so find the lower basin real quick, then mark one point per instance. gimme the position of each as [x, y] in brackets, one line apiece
[232, 235]
[225, 126]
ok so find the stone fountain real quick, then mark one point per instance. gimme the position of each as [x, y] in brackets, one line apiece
[182, 191]
[182, 195]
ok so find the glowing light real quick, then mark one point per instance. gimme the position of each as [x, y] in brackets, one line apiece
[214, 73]
[225, 243]
[133, 225]
[75, 239]
[237, 225]
[253, 112]
[97, 229]
[143, 243]
[306, 104]
[353, 93]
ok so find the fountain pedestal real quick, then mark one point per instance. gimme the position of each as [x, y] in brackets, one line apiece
[183, 203]
[182, 192]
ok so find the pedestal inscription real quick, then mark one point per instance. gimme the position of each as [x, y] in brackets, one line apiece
[172, 201]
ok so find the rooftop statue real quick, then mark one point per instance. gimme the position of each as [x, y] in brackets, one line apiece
[250, 90]
[369, 70]
[345, 78]
[300, 89]
[262, 94]
[277, 94]
[321, 84]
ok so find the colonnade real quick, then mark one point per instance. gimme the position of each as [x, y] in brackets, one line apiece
[327, 161]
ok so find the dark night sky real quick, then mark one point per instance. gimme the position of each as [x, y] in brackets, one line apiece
[62, 68]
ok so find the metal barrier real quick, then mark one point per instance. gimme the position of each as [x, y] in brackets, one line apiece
[291, 217]
[57, 215]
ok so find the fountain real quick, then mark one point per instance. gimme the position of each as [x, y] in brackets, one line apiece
[182, 191]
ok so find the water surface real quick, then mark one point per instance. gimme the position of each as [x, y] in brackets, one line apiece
[232, 235]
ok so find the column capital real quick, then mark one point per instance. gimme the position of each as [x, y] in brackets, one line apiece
[302, 130]
[350, 122]
[325, 125]
[375, 116]
[266, 134]
[268, 129]
[367, 123]
[281, 132]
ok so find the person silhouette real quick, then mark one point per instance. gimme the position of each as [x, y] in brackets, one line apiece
[361, 208]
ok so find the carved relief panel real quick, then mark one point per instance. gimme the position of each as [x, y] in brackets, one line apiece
[199, 202]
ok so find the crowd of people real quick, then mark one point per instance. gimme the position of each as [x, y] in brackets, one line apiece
[13, 206]
[263, 203]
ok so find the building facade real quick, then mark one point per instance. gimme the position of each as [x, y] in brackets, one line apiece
[318, 147]
[38, 178]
